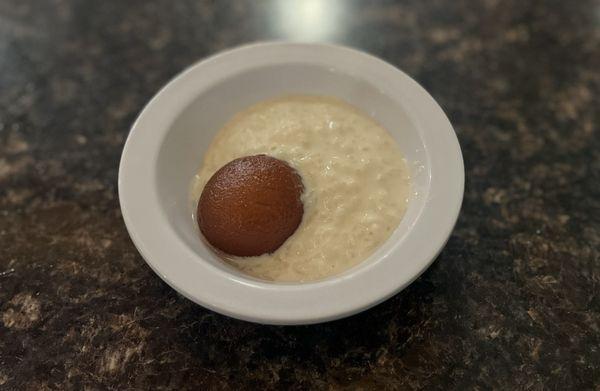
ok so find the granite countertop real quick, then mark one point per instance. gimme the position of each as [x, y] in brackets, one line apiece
[512, 302]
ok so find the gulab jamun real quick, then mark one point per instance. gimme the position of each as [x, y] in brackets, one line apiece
[251, 206]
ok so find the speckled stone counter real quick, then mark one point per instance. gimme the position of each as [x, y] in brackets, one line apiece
[513, 301]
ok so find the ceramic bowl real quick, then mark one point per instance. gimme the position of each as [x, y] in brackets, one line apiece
[165, 148]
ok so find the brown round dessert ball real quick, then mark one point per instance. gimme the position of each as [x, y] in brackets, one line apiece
[251, 206]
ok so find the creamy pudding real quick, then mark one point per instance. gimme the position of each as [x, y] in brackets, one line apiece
[356, 182]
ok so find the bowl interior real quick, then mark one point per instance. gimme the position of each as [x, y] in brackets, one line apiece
[191, 133]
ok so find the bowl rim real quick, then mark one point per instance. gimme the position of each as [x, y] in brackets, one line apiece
[273, 303]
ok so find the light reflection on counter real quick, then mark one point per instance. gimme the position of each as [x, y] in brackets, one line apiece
[308, 20]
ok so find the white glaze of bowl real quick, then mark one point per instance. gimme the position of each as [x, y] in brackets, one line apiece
[165, 148]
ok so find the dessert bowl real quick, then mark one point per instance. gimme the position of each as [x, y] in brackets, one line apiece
[167, 141]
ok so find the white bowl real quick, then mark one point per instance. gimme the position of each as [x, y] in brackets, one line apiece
[167, 142]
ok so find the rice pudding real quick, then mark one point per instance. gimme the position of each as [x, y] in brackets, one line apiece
[356, 182]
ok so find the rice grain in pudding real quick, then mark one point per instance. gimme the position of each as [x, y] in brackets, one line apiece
[355, 177]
